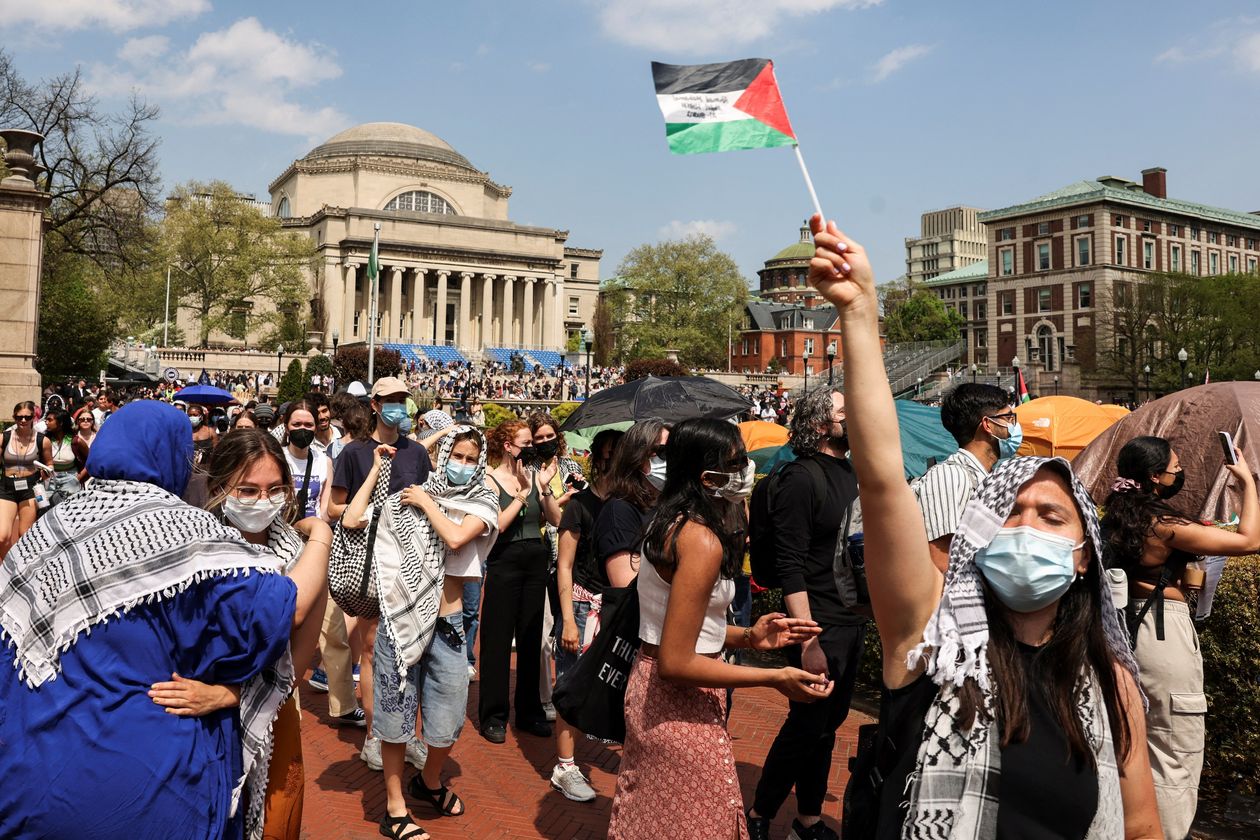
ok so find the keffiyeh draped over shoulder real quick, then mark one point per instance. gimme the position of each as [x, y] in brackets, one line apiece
[954, 788]
[409, 555]
[128, 540]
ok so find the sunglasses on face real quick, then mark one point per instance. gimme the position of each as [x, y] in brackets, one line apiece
[22, 418]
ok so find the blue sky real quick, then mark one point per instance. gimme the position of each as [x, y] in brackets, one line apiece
[901, 106]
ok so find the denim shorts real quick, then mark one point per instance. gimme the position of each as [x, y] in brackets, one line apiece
[564, 659]
[437, 684]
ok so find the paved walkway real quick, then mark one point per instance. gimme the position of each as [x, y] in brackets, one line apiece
[506, 787]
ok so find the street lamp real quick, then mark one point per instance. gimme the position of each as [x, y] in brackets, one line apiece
[279, 361]
[805, 367]
[336, 337]
[1015, 367]
[1056, 385]
[1183, 357]
[973, 373]
[589, 340]
[831, 364]
[1146, 372]
[918, 388]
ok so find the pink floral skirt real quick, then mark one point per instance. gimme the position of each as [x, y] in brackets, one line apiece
[677, 776]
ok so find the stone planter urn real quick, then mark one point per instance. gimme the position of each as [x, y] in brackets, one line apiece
[19, 156]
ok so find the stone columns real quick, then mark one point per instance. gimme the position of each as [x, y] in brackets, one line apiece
[22, 208]
[464, 330]
[349, 304]
[560, 336]
[440, 320]
[487, 311]
[417, 309]
[393, 323]
[334, 302]
[507, 337]
[527, 312]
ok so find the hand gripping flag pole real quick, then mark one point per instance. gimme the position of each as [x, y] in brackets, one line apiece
[725, 107]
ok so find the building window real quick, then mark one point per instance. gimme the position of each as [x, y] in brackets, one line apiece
[962, 309]
[1251, 265]
[1196, 267]
[1231, 240]
[1043, 228]
[1084, 295]
[1008, 303]
[1120, 255]
[1043, 256]
[1194, 233]
[1148, 255]
[1117, 221]
[573, 306]
[1006, 234]
[962, 291]
[1174, 253]
[1043, 300]
[1045, 346]
[1213, 237]
[978, 291]
[282, 209]
[1082, 221]
[1233, 263]
[420, 201]
[1008, 261]
[573, 270]
[982, 338]
[1214, 262]
[809, 346]
[1082, 250]
[1251, 243]
[1174, 230]
[981, 307]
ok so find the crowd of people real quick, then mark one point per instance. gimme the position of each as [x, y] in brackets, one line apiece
[163, 608]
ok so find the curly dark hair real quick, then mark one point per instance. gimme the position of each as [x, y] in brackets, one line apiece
[538, 419]
[813, 411]
[1132, 514]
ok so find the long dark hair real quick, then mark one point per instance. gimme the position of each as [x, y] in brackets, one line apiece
[65, 426]
[696, 446]
[1133, 512]
[626, 480]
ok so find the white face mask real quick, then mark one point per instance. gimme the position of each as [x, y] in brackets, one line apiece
[738, 486]
[252, 519]
[656, 472]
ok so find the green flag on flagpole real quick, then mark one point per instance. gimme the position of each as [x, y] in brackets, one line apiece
[373, 262]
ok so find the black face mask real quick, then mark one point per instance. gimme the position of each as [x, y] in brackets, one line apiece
[526, 455]
[301, 438]
[1167, 491]
[547, 451]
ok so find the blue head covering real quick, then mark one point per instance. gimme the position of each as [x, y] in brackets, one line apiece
[144, 441]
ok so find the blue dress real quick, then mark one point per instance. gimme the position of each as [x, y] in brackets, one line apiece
[89, 755]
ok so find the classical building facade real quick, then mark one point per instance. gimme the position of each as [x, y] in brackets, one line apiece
[1057, 263]
[782, 278]
[454, 270]
[948, 240]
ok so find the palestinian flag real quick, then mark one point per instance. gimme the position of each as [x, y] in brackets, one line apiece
[1023, 388]
[722, 107]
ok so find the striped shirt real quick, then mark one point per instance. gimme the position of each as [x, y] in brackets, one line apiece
[944, 490]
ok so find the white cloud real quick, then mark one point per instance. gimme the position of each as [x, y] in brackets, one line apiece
[705, 26]
[1235, 40]
[709, 227]
[1247, 52]
[243, 75]
[538, 66]
[115, 15]
[898, 58]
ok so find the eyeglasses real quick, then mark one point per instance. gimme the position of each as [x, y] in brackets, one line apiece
[277, 495]
[1008, 417]
[22, 418]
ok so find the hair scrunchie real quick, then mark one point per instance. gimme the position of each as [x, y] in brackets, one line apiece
[1125, 485]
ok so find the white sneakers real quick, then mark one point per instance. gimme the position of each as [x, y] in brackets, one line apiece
[549, 710]
[371, 753]
[568, 779]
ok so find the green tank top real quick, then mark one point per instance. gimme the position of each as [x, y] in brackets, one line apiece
[527, 524]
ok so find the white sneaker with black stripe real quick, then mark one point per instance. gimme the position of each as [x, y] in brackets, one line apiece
[568, 779]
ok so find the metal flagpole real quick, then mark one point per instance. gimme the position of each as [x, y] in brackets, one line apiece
[796, 147]
[375, 280]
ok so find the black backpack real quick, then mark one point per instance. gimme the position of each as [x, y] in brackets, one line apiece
[761, 525]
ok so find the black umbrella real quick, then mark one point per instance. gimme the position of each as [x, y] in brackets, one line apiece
[671, 398]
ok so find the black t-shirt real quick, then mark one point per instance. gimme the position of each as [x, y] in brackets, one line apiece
[410, 465]
[618, 527]
[579, 516]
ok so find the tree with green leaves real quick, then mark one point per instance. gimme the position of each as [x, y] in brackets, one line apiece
[913, 313]
[318, 365]
[240, 270]
[677, 295]
[292, 384]
[74, 328]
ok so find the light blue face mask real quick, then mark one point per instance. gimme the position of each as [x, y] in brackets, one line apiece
[1009, 445]
[393, 415]
[1028, 569]
[460, 474]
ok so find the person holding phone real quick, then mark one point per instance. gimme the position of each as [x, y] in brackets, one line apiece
[1152, 541]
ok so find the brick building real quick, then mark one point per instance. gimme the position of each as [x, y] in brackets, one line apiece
[1057, 263]
[786, 332]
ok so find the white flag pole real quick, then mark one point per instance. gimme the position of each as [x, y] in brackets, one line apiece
[372, 293]
[796, 147]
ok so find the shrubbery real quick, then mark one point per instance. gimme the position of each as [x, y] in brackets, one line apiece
[655, 367]
[496, 414]
[561, 412]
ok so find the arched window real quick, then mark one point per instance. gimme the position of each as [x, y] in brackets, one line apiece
[420, 201]
[1045, 347]
[282, 209]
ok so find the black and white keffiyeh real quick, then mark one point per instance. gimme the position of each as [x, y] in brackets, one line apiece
[954, 788]
[115, 546]
[409, 556]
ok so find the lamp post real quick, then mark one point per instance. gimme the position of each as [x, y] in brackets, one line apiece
[1146, 373]
[918, 388]
[279, 361]
[1183, 357]
[127, 353]
[831, 364]
[973, 373]
[1056, 385]
[805, 370]
[1015, 367]
[589, 341]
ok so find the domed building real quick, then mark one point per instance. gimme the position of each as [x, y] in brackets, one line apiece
[455, 272]
[783, 276]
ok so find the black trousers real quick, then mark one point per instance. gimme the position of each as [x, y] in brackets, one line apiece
[512, 604]
[801, 752]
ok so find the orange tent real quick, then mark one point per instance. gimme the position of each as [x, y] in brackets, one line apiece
[758, 434]
[1063, 425]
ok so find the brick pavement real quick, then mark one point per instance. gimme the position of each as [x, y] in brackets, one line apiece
[506, 788]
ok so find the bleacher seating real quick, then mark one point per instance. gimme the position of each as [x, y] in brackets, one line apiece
[442, 354]
[546, 358]
[408, 352]
[500, 355]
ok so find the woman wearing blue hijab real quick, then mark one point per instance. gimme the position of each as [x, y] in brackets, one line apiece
[118, 585]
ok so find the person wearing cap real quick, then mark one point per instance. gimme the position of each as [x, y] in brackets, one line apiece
[410, 465]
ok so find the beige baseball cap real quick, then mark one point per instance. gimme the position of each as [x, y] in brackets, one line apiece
[387, 385]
